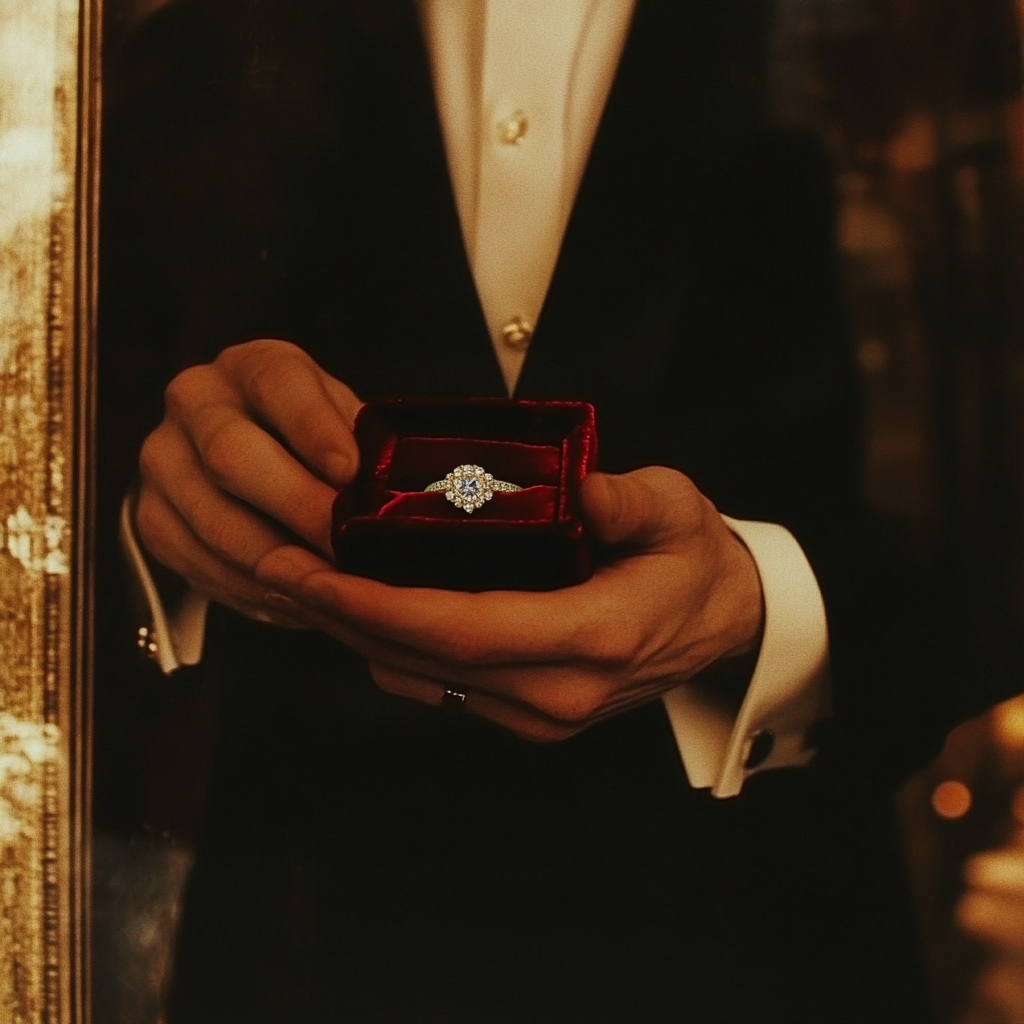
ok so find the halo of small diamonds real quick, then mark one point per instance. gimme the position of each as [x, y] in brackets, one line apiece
[469, 487]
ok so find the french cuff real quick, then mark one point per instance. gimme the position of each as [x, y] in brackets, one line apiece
[174, 637]
[789, 691]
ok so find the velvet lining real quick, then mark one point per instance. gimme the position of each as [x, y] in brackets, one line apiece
[387, 528]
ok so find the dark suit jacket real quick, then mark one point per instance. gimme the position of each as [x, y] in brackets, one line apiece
[276, 169]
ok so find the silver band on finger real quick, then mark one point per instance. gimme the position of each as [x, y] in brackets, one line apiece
[453, 701]
[468, 487]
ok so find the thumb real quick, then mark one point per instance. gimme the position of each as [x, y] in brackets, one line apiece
[645, 507]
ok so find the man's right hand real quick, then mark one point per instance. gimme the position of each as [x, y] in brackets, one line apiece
[248, 457]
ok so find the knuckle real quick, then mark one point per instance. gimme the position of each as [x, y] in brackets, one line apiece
[181, 393]
[267, 379]
[685, 493]
[245, 353]
[222, 536]
[665, 476]
[672, 485]
[219, 450]
[268, 367]
[681, 498]
[700, 513]
[151, 455]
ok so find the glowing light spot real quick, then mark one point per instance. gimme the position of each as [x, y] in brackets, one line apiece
[1008, 721]
[951, 799]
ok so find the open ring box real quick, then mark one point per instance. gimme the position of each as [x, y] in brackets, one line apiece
[386, 527]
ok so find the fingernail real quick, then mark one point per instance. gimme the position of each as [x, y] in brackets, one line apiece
[279, 600]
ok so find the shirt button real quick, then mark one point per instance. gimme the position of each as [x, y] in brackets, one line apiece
[512, 129]
[517, 332]
[760, 747]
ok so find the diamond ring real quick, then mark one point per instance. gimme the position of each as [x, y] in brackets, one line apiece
[468, 487]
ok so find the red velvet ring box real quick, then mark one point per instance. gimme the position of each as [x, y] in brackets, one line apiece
[386, 526]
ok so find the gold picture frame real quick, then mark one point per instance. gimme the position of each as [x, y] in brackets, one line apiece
[49, 127]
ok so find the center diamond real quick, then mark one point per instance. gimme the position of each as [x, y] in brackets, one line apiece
[470, 487]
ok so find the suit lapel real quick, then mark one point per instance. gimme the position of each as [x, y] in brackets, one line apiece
[614, 300]
[408, 276]
[614, 328]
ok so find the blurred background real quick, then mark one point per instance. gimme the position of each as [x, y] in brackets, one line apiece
[919, 103]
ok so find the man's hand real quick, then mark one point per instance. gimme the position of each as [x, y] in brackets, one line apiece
[248, 458]
[684, 594]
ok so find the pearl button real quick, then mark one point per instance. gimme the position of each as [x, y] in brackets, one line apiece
[517, 332]
[512, 129]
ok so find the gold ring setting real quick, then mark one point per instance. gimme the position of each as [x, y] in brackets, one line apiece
[468, 487]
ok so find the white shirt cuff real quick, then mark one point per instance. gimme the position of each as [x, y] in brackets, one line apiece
[173, 637]
[789, 691]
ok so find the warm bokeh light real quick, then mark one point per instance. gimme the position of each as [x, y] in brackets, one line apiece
[1008, 721]
[951, 799]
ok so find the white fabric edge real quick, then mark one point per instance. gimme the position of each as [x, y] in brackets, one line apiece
[178, 636]
[789, 689]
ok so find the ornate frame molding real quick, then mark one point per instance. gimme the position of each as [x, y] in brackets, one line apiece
[49, 125]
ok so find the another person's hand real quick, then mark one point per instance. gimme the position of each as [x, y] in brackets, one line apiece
[683, 593]
[991, 911]
[248, 458]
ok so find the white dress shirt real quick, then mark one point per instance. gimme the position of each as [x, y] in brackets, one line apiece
[521, 86]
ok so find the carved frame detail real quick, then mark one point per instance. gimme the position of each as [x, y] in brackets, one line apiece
[49, 126]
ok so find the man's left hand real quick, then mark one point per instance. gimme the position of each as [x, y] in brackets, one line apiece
[683, 594]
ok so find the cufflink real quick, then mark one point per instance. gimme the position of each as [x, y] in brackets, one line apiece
[146, 641]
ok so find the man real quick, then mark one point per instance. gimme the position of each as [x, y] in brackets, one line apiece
[278, 172]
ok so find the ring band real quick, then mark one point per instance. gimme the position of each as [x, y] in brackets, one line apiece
[453, 701]
[468, 487]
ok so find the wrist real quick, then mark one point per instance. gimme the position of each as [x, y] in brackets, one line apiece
[744, 601]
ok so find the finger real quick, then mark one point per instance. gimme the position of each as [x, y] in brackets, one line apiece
[581, 630]
[521, 721]
[240, 457]
[232, 529]
[646, 508]
[568, 695]
[168, 538]
[284, 388]
[491, 628]
[572, 692]
[344, 399]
